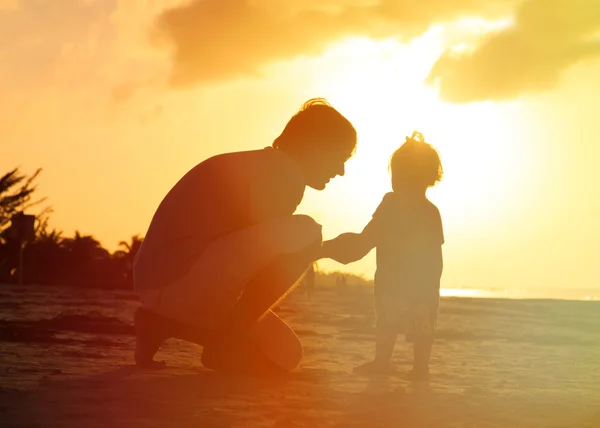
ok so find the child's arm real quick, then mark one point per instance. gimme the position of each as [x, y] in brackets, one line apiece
[351, 247]
[348, 247]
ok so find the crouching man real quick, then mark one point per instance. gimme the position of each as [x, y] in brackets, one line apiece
[224, 247]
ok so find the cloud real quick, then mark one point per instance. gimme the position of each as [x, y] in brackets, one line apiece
[548, 36]
[215, 40]
[9, 4]
[77, 51]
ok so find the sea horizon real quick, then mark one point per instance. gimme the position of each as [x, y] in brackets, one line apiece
[576, 294]
[582, 294]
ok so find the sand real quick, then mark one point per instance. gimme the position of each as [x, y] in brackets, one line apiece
[496, 363]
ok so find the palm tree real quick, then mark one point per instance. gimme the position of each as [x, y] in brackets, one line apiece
[84, 248]
[46, 259]
[127, 254]
[130, 248]
[86, 259]
[16, 191]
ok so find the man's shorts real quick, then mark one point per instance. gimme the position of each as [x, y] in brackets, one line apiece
[209, 291]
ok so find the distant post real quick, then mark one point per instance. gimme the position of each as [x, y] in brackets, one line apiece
[22, 229]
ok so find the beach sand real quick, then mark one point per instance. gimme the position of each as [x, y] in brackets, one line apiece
[496, 363]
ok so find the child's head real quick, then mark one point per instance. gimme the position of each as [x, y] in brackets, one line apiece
[416, 164]
[321, 139]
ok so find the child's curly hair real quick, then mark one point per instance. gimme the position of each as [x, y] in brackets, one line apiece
[415, 162]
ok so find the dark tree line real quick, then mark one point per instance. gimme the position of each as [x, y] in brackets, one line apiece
[50, 257]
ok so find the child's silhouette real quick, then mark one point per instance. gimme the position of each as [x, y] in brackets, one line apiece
[406, 230]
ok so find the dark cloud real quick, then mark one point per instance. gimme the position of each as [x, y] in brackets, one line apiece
[548, 36]
[223, 39]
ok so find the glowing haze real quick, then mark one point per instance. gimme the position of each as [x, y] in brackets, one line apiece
[116, 99]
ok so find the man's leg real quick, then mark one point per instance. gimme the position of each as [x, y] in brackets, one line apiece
[260, 294]
[270, 349]
[232, 285]
[153, 329]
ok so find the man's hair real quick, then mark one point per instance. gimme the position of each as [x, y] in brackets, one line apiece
[317, 123]
[416, 162]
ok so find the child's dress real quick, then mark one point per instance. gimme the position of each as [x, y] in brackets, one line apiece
[408, 234]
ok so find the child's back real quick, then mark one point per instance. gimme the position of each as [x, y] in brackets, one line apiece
[408, 239]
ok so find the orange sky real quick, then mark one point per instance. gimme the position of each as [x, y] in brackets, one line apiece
[115, 100]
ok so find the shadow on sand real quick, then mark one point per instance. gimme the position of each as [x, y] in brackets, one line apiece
[131, 397]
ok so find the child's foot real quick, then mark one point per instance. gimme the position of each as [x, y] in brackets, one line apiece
[418, 375]
[374, 367]
[151, 331]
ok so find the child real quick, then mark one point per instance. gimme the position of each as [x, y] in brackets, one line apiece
[406, 230]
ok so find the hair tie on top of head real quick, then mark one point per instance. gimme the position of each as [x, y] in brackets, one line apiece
[415, 138]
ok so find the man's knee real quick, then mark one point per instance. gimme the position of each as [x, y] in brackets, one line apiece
[279, 342]
[292, 354]
[309, 227]
[311, 231]
[297, 353]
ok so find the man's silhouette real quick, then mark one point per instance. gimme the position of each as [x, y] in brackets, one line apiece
[224, 246]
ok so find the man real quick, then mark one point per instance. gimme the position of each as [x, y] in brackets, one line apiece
[224, 246]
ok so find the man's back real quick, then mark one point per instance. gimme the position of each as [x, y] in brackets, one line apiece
[220, 195]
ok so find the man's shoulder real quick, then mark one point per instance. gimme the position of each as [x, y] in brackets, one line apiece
[267, 157]
[237, 160]
[280, 164]
[242, 155]
[259, 164]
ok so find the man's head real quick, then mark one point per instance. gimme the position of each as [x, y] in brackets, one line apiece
[320, 139]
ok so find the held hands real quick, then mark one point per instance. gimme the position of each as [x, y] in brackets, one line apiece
[346, 248]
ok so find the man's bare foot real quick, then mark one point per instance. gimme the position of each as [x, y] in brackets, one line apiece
[151, 331]
[374, 367]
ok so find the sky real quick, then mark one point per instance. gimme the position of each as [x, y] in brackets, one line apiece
[117, 99]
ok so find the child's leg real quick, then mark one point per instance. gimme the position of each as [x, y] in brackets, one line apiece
[384, 344]
[422, 337]
[422, 354]
[385, 340]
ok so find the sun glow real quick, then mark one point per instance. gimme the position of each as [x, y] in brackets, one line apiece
[380, 87]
